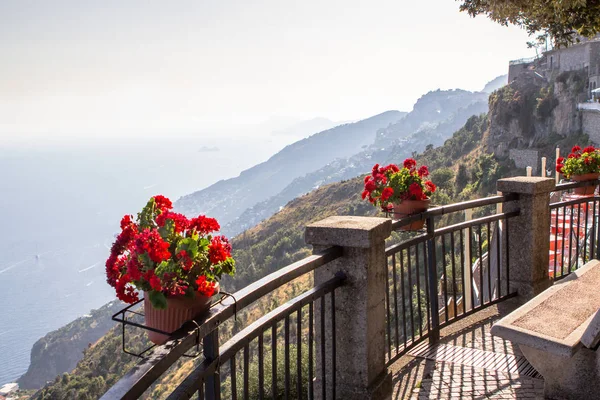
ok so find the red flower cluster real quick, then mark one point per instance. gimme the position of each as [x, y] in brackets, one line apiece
[162, 203]
[180, 220]
[204, 225]
[219, 249]
[391, 184]
[576, 153]
[174, 262]
[205, 287]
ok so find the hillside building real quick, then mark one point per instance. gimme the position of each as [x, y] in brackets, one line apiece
[583, 56]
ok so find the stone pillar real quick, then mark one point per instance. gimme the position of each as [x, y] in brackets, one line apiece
[528, 234]
[359, 304]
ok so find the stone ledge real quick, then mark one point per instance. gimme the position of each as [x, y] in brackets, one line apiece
[531, 185]
[543, 311]
[348, 231]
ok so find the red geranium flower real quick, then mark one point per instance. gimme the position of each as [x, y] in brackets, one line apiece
[219, 249]
[423, 171]
[387, 193]
[370, 186]
[126, 292]
[162, 203]
[589, 149]
[410, 163]
[430, 186]
[575, 149]
[204, 225]
[205, 287]
[153, 280]
[364, 194]
[180, 220]
[415, 190]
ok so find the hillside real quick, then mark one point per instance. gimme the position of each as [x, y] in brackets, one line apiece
[226, 200]
[435, 116]
[60, 350]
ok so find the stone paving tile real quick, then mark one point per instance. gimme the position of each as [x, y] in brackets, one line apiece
[426, 379]
[449, 381]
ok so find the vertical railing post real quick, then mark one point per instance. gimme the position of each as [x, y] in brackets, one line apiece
[211, 352]
[434, 335]
[360, 312]
[529, 234]
[467, 265]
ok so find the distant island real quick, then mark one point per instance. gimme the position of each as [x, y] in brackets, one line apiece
[206, 149]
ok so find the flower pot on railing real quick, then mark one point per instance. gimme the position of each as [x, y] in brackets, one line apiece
[179, 310]
[586, 190]
[407, 208]
[400, 192]
[581, 165]
[175, 261]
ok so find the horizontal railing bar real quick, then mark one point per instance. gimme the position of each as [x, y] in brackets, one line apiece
[447, 229]
[474, 222]
[147, 371]
[190, 385]
[573, 185]
[560, 204]
[465, 205]
[393, 249]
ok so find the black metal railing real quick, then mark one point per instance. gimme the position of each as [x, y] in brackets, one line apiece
[574, 231]
[275, 356]
[445, 274]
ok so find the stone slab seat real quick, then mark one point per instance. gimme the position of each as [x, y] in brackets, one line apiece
[559, 331]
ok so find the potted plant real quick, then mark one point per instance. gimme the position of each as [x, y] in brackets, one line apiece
[174, 260]
[401, 191]
[581, 165]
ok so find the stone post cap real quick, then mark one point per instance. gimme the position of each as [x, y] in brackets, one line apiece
[531, 185]
[348, 231]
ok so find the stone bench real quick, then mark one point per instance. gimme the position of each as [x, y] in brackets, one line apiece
[558, 332]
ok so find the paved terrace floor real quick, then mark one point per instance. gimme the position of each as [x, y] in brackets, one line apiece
[421, 378]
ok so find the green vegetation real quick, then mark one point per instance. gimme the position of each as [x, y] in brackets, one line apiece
[562, 20]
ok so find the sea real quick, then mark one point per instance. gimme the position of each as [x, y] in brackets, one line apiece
[60, 207]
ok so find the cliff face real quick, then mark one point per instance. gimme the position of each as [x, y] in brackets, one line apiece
[531, 110]
[60, 350]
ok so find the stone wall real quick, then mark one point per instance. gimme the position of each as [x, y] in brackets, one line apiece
[571, 58]
[525, 158]
[516, 70]
[591, 124]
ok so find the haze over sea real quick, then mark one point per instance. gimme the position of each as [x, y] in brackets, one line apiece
[63, 205]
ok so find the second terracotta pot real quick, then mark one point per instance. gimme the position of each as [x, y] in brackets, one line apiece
[410, 207]
[586, 190]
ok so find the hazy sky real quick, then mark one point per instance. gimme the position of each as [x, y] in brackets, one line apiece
[91, 68]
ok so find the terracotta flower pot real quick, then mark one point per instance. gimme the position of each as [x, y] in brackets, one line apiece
[410, 207]
[178, 311]
[586, 190]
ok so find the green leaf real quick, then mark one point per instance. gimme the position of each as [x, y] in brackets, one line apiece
[167, 230]
[158, 300]
[189, 245]
[146, 217]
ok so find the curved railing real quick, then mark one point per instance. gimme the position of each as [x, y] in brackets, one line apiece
[446, 273]
[208, 376]
[574, 228]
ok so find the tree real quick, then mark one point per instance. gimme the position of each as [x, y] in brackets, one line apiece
[562, 20]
